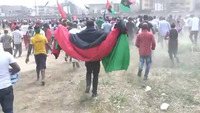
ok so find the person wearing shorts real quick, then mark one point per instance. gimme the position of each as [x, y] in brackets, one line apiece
[39, 42]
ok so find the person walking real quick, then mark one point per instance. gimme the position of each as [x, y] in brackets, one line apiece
[7, 40]
[17, 40]
[194, 29]
[6, 89]
[146, 43]
[173, 43]
[90, 34]
[163, 29]
[106, 26]
[130, 27]
[39, 42]
[74, 30]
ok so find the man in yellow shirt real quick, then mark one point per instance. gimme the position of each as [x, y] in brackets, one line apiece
[39, 43]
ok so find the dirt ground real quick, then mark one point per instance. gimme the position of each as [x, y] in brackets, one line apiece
[119, 92]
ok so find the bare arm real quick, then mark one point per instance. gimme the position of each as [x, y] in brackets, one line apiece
[15, 68]
[29, 52]
[48, 46]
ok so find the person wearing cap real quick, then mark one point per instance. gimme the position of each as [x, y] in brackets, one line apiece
[17, 40]
[146, 43]
[7, 40]
[39, 42]
[6, 89]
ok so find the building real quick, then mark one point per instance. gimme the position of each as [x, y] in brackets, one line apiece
[99, 6]
[146, 4]
[47, 10]
[11, 11]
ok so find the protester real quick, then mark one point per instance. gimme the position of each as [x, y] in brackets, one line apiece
[38, 42]
[6, 89]
[194, 29]
[90, 34]
[130, 27]
[106, 26]
[75, 30]
[173, 43]
[164, 27]
[17, 38]
[7, 40]
[150, 26]
[146, 43]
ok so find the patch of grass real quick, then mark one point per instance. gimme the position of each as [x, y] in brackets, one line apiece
[118, 100]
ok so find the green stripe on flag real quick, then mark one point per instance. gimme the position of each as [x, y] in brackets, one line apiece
[125, 8]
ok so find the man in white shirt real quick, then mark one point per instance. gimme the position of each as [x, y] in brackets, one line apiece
[6, 89]
[75, 30]
[17, 40]
[163, 29]
[194, 29]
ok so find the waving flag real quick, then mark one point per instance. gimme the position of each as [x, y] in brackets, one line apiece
[112, 48]
[63, 14]
[109, 8]
[125, 5]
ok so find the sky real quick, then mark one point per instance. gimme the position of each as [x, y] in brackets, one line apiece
[31, 3]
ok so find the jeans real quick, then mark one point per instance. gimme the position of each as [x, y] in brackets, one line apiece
[195, 34]
[18, 47]
[92, 68]
[148, 61]
[6, 99]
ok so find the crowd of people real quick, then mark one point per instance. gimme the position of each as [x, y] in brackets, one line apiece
[145, 32]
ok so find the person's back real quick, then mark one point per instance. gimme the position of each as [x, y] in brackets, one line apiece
[106, 27]
[173, 35]
[6, 89]
[145, 41]
[90, 34]
[6, 40]
[17, 37]
[5, 59]
[130, 26]
[164, 27]
[195, 24]
[39, 41]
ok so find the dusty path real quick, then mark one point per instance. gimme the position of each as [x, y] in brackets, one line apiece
[119, 92]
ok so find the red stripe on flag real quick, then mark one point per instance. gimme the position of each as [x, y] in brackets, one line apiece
[108, 4]
[63, 15]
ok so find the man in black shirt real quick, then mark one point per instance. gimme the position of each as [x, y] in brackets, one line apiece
[150, 26]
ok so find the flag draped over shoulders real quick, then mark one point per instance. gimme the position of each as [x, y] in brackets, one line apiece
[113, 48]
[62, 36]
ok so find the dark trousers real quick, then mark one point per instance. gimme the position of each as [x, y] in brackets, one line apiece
[193, 36]
[9, 50]
[92, 68]
[6, 99]
[18, 47]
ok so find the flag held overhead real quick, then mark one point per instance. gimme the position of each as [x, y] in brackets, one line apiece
[125, 5]
[63, 14]
[109, 8]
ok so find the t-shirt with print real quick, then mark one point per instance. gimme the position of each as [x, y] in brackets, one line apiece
[39, 42]
[5, 60]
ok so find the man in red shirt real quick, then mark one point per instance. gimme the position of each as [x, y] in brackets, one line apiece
[146, 43]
